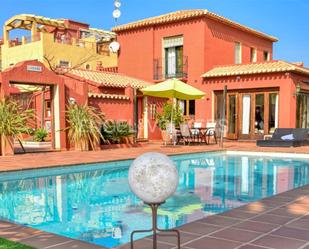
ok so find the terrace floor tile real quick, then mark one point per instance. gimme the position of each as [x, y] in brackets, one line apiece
[220, 220]
[236, 235]
[213, 243]
[293, 233]
[302, 223]
[19, 233]
[238, 214]
[288, 212]
[172, 238]
[199, 228]
[256, 226]
[279, 242]
[272, 219]
[146, 244]
[45, 240]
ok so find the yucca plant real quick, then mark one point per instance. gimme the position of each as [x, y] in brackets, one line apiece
[14, 121]
[83, 127]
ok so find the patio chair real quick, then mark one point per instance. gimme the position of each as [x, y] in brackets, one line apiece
[195, 131]
[286, 137]
[185, 134]
[211, 132]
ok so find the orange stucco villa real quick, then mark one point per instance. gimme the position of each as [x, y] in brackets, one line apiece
[199, 47]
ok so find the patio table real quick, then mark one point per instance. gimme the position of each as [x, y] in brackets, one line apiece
[202, 131]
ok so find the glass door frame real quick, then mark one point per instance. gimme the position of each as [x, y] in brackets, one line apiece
[239, 111]
[233, 135]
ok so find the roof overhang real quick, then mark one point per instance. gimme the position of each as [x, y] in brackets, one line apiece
[189, 14]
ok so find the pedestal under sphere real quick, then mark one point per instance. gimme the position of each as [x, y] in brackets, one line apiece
[153, 177]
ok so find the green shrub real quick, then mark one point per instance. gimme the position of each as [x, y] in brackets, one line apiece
[40, 135]
[116, 132]
[164, 118]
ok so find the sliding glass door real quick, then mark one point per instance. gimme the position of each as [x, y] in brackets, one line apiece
[251, 115]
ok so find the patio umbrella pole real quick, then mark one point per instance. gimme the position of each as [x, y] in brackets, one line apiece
[171, 129]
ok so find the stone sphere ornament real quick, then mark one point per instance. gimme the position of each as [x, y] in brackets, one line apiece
[153, 177]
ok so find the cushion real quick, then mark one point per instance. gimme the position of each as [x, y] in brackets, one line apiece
[288, 137]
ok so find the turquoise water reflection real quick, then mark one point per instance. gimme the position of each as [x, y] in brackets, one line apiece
[94, 202]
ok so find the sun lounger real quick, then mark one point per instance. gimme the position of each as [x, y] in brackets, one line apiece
[286, 137]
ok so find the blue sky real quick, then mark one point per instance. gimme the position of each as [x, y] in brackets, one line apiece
[286, 19]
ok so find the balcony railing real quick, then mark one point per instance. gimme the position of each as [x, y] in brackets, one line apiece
[160, 72]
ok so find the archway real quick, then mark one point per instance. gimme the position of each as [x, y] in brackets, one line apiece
[33, 86]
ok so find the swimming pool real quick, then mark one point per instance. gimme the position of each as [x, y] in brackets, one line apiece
[94, 203]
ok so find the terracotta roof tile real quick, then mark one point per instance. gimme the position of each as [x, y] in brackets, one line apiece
[255, 68]
[189, 14]
[108, 96]
[109, 79]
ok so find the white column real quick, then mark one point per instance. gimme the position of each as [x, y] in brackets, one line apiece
[56, 101]
[145, 106]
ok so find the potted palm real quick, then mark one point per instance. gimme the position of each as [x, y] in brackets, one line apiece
[83, 127]
[14, 122]
[164, 118]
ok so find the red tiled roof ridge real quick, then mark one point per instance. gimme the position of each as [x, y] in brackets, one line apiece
[254, 68]
[111, 79]
[189, 14]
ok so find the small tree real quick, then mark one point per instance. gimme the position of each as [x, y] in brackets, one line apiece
[164, 118]
[84, 124]
[14, 121]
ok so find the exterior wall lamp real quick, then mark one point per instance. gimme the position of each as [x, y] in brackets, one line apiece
[153, 177]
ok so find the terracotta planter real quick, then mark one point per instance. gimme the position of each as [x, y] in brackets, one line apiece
[82, 146]
[7, 146]
[165, 136]
[127, 140]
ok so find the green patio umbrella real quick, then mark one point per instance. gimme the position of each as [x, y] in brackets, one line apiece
[173, 88]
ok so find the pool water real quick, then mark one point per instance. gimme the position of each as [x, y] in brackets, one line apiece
[94, 203]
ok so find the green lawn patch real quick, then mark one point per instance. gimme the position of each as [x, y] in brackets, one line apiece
[7, 244]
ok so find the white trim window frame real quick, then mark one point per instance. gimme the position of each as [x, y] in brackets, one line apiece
[238, 52]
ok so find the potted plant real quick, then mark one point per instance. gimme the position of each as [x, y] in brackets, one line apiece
[14, 122]
[40, 135]
[164, 118]
[83, 127]
[117, 132]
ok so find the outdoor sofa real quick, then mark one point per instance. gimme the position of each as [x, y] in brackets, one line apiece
[286, 137]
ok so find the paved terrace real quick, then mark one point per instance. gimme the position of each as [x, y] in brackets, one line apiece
[279, 222]
[49, 159]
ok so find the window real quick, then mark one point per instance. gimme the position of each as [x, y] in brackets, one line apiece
[63, 63]
[266, 56]
[173, 54]
[88, 67]
[173, 61]
[253, 55]
[188, 107]
[237, 53]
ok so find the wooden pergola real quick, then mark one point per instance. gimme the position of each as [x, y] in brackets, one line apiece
[30, 22]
